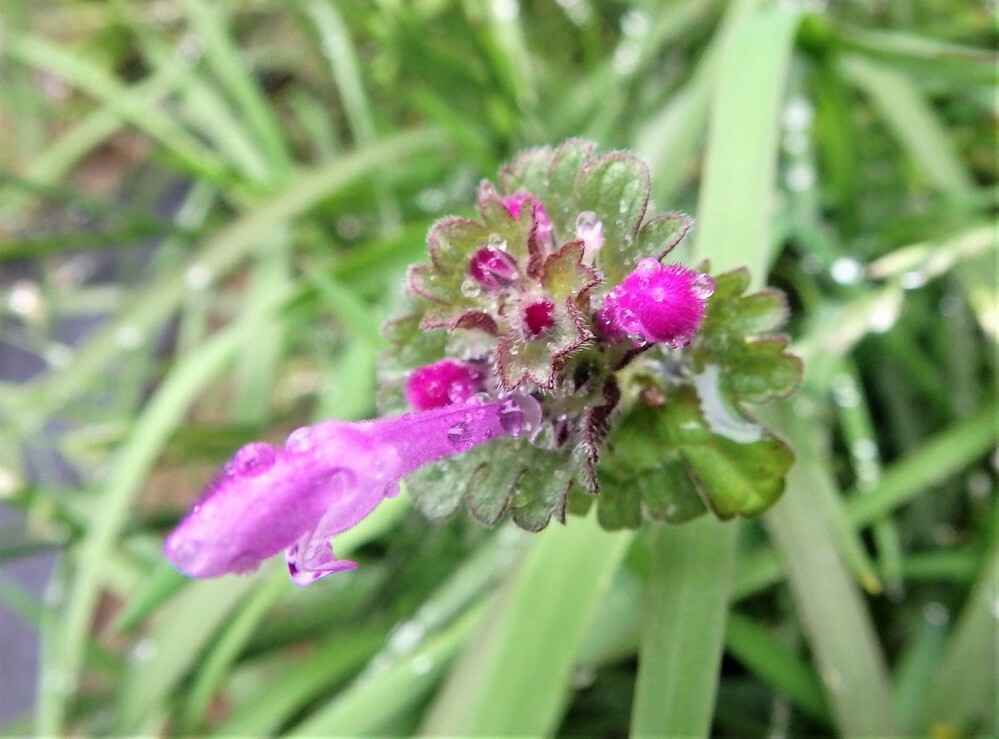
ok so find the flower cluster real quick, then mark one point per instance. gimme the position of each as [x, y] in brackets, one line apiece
[526, 343]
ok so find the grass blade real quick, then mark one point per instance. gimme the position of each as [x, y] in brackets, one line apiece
[761, 652]
[683, 629]
[962, 696]
[137, 110]
[223, 250]
[135, 459]
[913, 122]
[225, 60]
[514, 674]
[377, 698]
[692, 568]
[734, 221]
[837, 625]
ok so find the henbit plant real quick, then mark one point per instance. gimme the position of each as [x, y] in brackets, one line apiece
[287, 160]
[528, 343]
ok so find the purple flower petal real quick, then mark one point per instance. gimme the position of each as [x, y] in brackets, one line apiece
[326, 479]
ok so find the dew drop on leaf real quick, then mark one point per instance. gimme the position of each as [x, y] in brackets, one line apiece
[497, 242]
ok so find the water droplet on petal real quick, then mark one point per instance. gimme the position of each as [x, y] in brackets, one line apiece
[703, 287]
[300, 440]
[520, 415]
[590, 231]
[244, 563]
[252, 459]
[648, 266]
[183, 552]
[458, 436]
[586, 220]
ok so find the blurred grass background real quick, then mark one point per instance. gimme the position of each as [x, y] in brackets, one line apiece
[206, 209]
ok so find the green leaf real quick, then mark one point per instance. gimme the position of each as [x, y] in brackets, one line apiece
[616, 187]
[528, 172]
[619, 505]
[685, 457]
[658, 236]
[563, 171]
[751, 368]
[739, 479]
[542, 488]
[640, 469]
[669, 493]
[760, 312]
[565, 276]
[761, 371]
[506, 474]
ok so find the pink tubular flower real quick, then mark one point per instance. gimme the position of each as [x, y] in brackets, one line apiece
[324, 480]
[443, 383]
[656, 303]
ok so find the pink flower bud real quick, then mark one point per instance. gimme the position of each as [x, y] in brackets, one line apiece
[443, 383]
[656, 303]
[492, 268]
[513, 205]
[537, 316]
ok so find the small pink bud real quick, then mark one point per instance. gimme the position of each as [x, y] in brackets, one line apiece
[657, 303]
[513, 205]
[538, 316]
[514, 202]
[443, 383]
[492, 268]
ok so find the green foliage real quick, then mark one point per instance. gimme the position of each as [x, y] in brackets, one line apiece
[289, 158]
